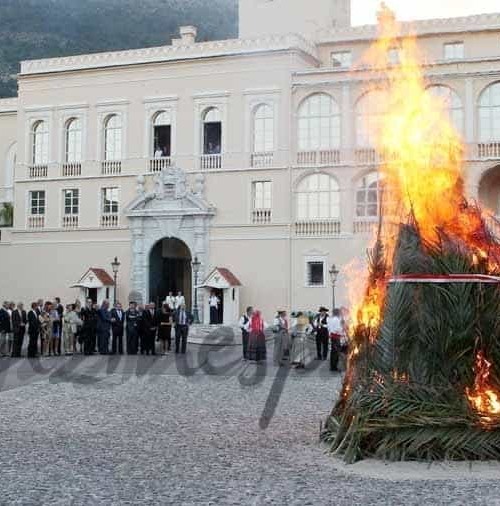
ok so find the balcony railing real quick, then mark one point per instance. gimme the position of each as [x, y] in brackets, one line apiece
[111, 167]
[109, 220]
[260, 160]
[317, 228]
[261, 216]
[488, 150]
[211, 162]
[158, 164]
[364, 226]
[70, 221]
[321, 157]
[366, 156]
[36, 222]
[38, 171]
[71, 169]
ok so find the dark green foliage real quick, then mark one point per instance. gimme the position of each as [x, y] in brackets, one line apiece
[31, 29]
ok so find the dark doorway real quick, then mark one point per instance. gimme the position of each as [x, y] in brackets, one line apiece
[169, 270]
[212, 137]
[92, 294]
[162, 139]
[220, 313]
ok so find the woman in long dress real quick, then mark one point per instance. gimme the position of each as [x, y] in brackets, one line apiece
[299, 341]
[257, 339]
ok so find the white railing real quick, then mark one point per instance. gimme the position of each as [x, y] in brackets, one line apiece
[71, 169]
[261, 216]
[259, 160]
[321, 157]
[36, 222]
[211, 162]
[111, 167]
[109, 220]
[158, 164]
[70, 221]
[317, 228]
[488, 150]
[364, 226]
[38, 171]
[366, 156]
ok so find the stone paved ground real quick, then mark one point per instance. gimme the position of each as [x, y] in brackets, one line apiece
[209, 430]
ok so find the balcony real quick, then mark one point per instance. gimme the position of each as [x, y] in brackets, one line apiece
[364, 226]
[36, 222]
[260, 160]
[261, 216]
[317, 228]
[109, 220]
[366, 156]
[70, 221]
[209, 162]
[71, 169]
[489, 150]
[321, 157]
[111, 167]
[38, 171]
[158, 164]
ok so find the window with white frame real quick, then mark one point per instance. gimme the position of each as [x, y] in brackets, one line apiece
[315, 273]
[452, 105]
[341, 59]
[71, 199]
[113, 137]
[262, 195]
[162, 134]
[37, 203]
[40, 143]
[453, 50]
[318, 123]
[489, 114]
[110, 200]
[73, 140]
[370, 111]
[263, 132]
[367, 196]
[318, 198]
[212, 131]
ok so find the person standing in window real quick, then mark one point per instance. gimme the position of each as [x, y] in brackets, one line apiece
[214, 302]
[158, 152]
[320, 325]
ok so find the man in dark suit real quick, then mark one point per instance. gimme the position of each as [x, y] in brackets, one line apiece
[117, 328]
[33, 330]
[103, 328]
[58, 325]
[149, 328]
[19, 322]
[183, 319]
[5, 329]
[88, 315]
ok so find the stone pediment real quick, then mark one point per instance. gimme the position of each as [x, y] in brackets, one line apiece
[170, 196]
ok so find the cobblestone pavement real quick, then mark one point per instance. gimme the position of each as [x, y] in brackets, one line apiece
[205, 430]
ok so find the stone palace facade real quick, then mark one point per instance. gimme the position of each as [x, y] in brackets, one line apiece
[251, 155]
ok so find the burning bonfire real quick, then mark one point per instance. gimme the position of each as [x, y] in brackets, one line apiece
[423, 376]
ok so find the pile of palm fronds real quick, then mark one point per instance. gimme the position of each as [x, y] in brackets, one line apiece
[405, 392]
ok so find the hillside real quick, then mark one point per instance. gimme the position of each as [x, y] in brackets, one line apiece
[47, 28]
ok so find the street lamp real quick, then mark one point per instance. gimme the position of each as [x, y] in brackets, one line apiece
[334, 274]
[196, 269]
[115, 265]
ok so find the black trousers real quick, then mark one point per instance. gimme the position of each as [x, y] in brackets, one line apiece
[117, 342]
[17, 344]
[334, 355]
[181, 334]
[103, 341]
[244, 341]
[132, 342]
[322, 344]
[214, 315]
[32, 344]
[89, 341]
[148, 342]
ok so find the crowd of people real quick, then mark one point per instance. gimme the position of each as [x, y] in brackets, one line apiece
[290, 336]
[53, 329]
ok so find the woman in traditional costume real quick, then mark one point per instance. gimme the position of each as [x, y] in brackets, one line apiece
[257, 339]
[281, 339]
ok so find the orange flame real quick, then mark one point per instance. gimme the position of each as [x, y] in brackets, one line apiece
[482, 396]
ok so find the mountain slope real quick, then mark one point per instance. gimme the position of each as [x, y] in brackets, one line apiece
[32, 29]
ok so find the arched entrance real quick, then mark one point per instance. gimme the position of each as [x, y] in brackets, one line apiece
[489, 190]
[170, 270]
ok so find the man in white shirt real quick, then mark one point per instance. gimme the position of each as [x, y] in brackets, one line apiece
[244, 325]
[335, 331]
[158, 153]
[179, 300]
[170, 301]
[214, 302]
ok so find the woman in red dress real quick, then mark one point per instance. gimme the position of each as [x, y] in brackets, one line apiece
[257, 339]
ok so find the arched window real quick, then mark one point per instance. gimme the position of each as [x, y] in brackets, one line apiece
[452, 104]
[318, 198]
[489, 114]
[40, 143]
[370, 111]
[367, 196]
[212, 131]
[73, 140]
[263, 130]
[318, 123]
[162, 134]
[113, 137]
